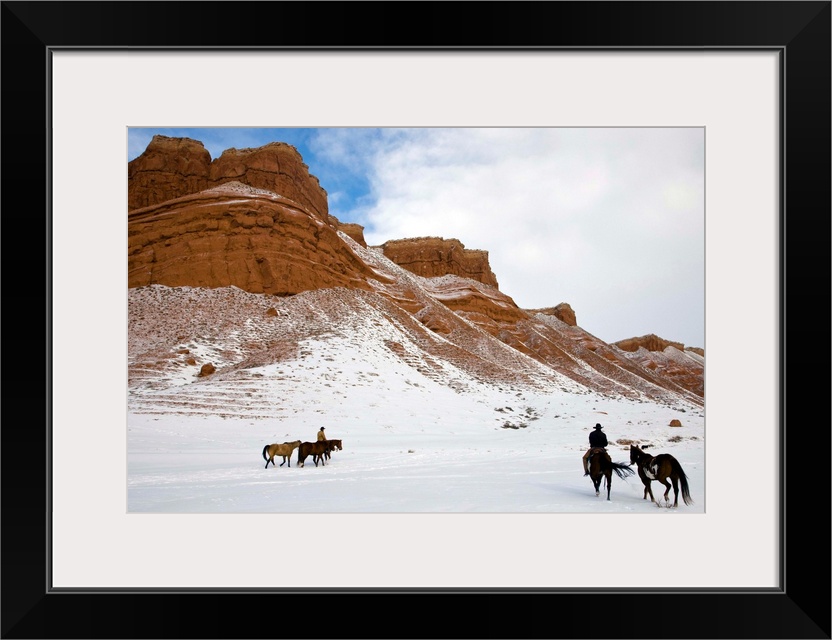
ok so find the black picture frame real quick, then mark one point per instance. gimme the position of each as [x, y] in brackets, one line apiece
[800, 608]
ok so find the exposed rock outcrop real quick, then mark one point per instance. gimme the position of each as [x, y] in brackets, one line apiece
[174, 167]
[562, 312]
[207, 369]
[431, 257]
[354, 231]
[236, 235]
[651, 342]
[169, 168]
[276, 167]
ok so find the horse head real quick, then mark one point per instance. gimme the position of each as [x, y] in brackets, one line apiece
[637, 455]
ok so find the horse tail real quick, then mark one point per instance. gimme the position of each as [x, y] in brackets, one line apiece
[265, 449]
[683, 480]
[622, 470]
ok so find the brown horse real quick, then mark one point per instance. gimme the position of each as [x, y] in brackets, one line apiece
[601, 466]
[333, 445]
[659, 468]
[284, 450]
[316, 449]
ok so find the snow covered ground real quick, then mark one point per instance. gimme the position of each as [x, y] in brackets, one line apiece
[413, 443]
[445, 461]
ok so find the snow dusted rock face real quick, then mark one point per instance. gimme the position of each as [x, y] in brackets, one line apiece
[431, 257]
[650, 342]
[354, 231]
[276, 167]
[685, 366]
[238, 235]
[168, 168]
[244, 246]
[174, 167]
[562, 312]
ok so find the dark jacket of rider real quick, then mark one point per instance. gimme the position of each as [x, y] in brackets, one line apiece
[597, 438]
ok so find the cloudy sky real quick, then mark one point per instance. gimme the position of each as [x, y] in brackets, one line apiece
[610, 221]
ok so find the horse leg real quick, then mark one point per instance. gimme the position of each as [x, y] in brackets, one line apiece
[666, 488]
[609, 485]
[675, 482]
[648, 490]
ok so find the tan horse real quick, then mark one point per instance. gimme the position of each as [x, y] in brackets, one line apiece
[284, 450]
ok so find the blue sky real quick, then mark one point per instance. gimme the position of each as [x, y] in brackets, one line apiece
[609, 220]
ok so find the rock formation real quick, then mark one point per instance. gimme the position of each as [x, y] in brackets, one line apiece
[650, 342]
[255, 219]
[431, 257]
[354, 231]
[562, 312]
[174, 167]
[236, 235]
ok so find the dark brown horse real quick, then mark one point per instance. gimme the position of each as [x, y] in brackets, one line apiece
[315, 449]
[284, 450]
[660, 468]
[601, 466]
[333, 445]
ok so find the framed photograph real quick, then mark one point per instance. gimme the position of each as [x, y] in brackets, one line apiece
[753, 76]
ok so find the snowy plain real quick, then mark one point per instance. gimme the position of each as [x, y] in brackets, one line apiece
[412, 443]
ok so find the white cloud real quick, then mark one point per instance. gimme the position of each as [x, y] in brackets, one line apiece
[608, 220]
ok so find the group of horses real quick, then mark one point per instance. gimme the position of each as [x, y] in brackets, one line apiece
[663, 468]
[320, 451]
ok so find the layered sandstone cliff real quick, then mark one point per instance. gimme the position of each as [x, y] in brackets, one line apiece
[238, 235]
[651, 342]
[430, 257]
[562, 312]
[174, 167]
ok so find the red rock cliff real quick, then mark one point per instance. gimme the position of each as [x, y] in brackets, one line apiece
[432, 257]
[237, 235]
[174, 167]
[651, 342]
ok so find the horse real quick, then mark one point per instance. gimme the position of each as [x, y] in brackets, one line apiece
[601, 466]
[284, 450]
[316, 449]
[334, 445]
[660, 468]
